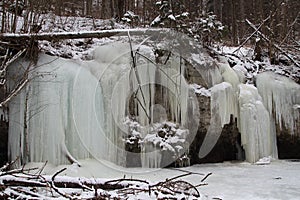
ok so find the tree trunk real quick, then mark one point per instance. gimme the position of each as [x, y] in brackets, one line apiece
[89, 5]
[106, 9]
[58, 5]
[233, 23]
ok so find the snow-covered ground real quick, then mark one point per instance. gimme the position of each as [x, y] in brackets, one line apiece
[229, 181]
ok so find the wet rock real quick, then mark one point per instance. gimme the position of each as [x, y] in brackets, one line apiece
[288, 145]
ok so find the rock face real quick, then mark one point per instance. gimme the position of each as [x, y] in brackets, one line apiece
[3, 142]
[288, 145]
[3, 133]
[227, 147]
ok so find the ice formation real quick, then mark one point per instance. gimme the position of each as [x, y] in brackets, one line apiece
[76, 109]
[56, 115]
[257, 138]
[280, 96]
[223, 104]
[254, 109]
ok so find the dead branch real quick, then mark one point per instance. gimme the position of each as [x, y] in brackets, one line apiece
[17, 183]
[126, 179]
[248, 38]
[207, 175]
[15, 91]
[8, 62]
[44, 182]
[134, 68]
[52, 184]
[8, 165]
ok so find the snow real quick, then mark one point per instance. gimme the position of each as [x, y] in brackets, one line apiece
[171, 17]
[198, 59]
[264, 161]
[200, 90]
[156, 21]
[185, 14]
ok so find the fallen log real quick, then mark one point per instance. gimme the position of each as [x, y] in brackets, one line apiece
[78, 35]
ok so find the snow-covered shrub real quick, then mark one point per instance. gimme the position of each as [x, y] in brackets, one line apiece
[172, 17]
[130, 18]
[207, 29]
[167, 137]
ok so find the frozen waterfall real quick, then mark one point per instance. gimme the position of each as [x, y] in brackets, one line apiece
[73, 110]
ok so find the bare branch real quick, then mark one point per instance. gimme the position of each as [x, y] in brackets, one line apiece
[275, 45]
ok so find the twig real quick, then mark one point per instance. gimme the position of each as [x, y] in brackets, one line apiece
[17, 171]
[290, 30]
[8, 165]
[54, 187]
[15, 91]
[42, 169]
[126, 179]
[137, 78]
[207, 175]
[181, 170]
[179, 176]
[60, 171]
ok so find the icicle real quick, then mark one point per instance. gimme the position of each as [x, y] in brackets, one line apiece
[61, 109]
[77, 110]
[281, 96]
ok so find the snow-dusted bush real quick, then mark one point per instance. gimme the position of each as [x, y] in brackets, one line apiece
[130, 18]
[206, 29]
[171, 17]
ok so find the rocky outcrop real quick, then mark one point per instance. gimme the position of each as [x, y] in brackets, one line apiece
[288, 145]
[228, 145]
